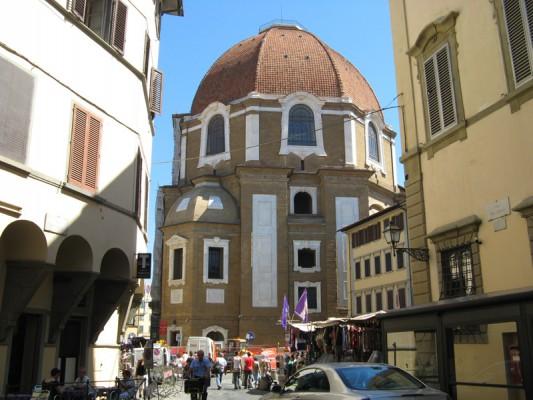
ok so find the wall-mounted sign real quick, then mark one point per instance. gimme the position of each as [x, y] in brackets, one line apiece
[144, 264]
[498, 209]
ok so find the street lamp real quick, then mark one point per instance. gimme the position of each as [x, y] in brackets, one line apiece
[392, 237]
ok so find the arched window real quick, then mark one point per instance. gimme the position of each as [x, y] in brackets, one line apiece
[303, 203]
[373, 143]
[301, 126]
[215, 136]
[216, 336]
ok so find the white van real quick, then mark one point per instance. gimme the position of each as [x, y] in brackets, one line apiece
[196, 343]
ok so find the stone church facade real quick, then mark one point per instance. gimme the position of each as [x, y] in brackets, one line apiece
[284, 145]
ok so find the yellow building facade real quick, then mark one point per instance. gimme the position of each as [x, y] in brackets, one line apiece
[464, 73]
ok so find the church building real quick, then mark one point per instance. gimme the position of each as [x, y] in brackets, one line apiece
[284, 145]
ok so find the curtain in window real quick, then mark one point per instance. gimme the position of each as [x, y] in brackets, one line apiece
[373, 142]
[215, 136]
[301, 126]
[215, 266]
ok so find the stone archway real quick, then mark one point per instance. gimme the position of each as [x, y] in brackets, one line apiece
[215, 331]
[24, 271]
[113, 286]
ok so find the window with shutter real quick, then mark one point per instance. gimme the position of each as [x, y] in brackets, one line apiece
[519, 28]
[84, 149]
[138, 184]
[78, 7]
[156, 91]
[120, 16]
[440, 96]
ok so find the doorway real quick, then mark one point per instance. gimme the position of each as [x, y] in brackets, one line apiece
[24, 362]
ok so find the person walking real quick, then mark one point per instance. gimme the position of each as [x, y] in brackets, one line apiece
[248, 367]
[219, 368]
[255, 372]
[237, 370]
[201, 369]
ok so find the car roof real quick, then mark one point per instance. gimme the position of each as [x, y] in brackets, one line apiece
[336, 365]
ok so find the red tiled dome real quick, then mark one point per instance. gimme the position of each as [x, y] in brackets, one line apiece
[283, 60]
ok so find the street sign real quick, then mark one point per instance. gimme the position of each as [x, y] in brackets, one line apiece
[250, 336]
[144, 263]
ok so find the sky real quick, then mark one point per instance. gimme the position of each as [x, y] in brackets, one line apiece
[358, 29]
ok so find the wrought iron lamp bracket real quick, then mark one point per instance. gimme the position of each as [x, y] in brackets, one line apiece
[416, 253]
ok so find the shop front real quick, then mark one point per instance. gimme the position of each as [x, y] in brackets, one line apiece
[471, 347]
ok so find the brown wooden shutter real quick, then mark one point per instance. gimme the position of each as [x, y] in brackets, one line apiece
[77, 146]
[146, 192]
[156, 91]
[84, 149]
[79, 7]
[447, 96]
[120, 16]
[517, 35]
[432, 97]
[138, 184]
[93, 151]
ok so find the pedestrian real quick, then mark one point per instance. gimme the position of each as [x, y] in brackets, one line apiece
[255, 372]
[201, 369]
[248, 367]
[219, 368]
[237, 369]
[126, 386]
[53, 384]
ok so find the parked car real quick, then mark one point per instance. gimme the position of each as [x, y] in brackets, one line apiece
[365, 381]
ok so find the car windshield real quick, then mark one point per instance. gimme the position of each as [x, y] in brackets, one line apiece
[377, 378]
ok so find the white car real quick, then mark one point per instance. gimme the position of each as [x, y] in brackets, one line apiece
[364, 381]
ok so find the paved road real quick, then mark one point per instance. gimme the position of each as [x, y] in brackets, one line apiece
[227, 392]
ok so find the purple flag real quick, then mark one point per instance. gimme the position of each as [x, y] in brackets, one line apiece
[284, 312]
[301, 309]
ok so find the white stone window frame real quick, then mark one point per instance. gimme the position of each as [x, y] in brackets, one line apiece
[379, 125]
[224, 244]
[212, 110]
[215, 328]
[316, 106]
[307, 284]
[306, 244]
[311, 191]
[174, 243]
[174, 328]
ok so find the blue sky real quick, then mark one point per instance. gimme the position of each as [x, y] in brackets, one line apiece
[358, 29]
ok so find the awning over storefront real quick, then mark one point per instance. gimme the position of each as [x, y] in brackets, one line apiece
[332, 321]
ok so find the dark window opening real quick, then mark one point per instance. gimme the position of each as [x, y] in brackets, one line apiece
[175, 338]
[366, 235]
[312, 299]
[388, 262]
[373, 143]
[358, 305]
[379, 301]
[306, 258]
[367, 267]
[457, 273]
[377, 264]
[215, 263]
[215, 136]
[390, 299]
[303, 203]
[402, 298]
[400, 261]
[357, 270]
[106, 18]
[368, 301]
[177, 268]
[301, 126]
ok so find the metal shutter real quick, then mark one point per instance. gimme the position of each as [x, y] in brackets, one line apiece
[120, 16]
[77, 147]
[517, 28]
[79, 7]
[156, 91]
